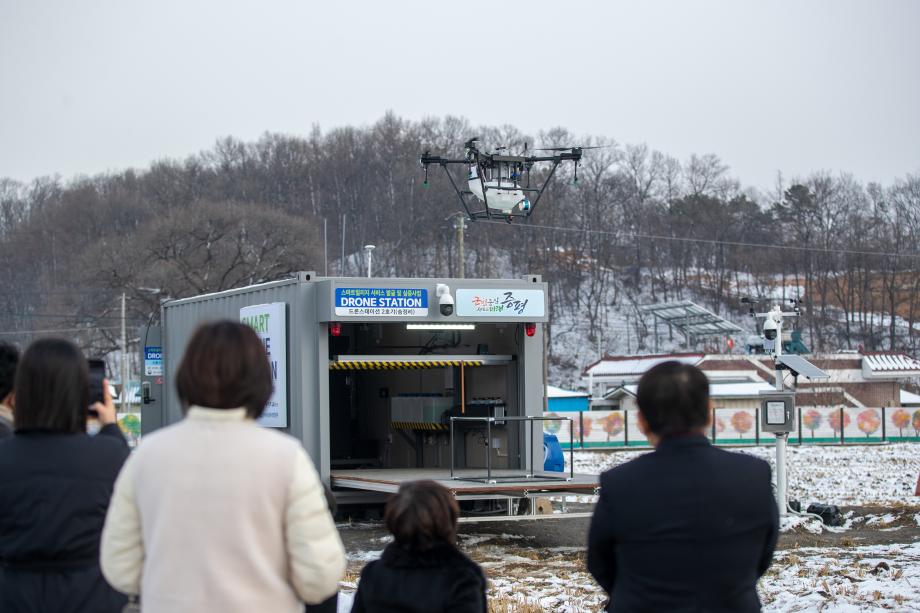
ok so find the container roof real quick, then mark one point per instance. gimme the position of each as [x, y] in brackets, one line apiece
[637, 365]
[750, 389]
[893, 363]
[557, 392]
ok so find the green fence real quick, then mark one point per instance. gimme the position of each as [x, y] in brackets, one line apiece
[814, 425]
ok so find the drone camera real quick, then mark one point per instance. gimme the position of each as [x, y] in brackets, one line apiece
[445, 300]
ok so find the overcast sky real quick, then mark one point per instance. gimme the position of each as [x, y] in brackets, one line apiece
[795, 86]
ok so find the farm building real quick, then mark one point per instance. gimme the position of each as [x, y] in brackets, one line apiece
[856, 380]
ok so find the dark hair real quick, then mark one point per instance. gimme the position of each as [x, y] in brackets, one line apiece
[225, 367]
[9, 357]
[52, 387]
[674, 398]
[421, 515]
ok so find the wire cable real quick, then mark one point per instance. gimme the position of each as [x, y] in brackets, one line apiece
[707, 241]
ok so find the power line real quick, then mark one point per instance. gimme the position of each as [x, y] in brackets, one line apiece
[47, 331]
[63, 316]
[707, 241]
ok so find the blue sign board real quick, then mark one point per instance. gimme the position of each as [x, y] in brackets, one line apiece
[153, 361]
[381, 301]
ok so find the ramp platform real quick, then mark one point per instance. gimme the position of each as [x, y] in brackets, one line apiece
[388, 480]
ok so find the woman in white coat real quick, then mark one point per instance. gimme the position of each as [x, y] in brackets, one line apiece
[216, 513]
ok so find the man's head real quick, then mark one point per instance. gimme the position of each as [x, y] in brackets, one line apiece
[9, 359]
[673, 399]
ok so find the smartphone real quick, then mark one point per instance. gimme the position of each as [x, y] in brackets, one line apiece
[96, 375]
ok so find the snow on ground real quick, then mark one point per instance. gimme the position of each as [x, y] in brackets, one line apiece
[525, 576]
[805, 579]
[848, 475]
[843, 579]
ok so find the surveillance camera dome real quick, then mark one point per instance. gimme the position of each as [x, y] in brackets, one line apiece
[445, 300]
[769, 328]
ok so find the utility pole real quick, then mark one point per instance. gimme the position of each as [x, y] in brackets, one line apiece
[124, 357]
[460, 227]
[343, 245]
[369, 250]
[628, 337]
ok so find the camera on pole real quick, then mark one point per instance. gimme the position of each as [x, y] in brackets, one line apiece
[777, 410]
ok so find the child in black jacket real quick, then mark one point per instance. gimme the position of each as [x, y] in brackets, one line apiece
[422, 570]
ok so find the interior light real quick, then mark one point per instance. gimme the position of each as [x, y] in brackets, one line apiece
[335, 328]
[530, 329]
[440, 326]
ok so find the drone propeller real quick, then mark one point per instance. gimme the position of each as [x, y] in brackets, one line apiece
[571, 148]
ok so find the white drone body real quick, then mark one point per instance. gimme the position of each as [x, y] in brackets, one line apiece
[504, 193]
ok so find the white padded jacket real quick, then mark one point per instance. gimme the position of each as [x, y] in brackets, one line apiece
[216, 513]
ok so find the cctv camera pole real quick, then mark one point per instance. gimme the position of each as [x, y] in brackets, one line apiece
[774, 321]
[781, 437]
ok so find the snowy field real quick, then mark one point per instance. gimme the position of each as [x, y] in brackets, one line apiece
[852, 475]
[848, 571]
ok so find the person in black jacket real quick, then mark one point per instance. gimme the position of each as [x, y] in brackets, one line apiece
[55, 486]
[688, 527]
[421, 571]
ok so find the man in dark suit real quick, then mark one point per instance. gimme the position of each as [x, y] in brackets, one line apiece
[688, 527]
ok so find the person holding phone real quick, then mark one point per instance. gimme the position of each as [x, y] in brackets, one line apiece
[55, 485]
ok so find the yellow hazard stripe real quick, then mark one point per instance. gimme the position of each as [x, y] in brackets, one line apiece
[399, 365]
[418, 425]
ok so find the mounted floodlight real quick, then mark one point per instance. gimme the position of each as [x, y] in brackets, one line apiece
[440, 326]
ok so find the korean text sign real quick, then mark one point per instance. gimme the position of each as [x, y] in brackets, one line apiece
[270, 323]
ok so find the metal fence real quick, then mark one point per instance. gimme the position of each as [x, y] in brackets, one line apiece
[814, 425]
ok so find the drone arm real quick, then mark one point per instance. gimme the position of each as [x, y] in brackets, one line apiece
[459, 193]
[533, 205]
[427, 158]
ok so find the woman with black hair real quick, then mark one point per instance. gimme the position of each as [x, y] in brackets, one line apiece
[55, 486]
[216, 513]
[422, 570]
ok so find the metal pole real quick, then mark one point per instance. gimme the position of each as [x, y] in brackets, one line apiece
[124, 357]
[572, 451]
[545, 368]
[369, 250]
[343, 245]
[489, 450]
[781, 471]
[460, 227]
[451, 447]
[325, 249]
[781, 436]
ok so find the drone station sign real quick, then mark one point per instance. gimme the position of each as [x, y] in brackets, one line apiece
[381, 302]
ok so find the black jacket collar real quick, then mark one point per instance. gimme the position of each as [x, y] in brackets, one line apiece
[444, 554]
[682, 441]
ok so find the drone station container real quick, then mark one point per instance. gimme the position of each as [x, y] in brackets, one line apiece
[392, 380]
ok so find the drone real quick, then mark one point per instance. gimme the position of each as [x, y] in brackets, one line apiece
[500, 180]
